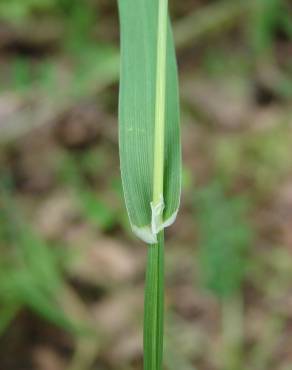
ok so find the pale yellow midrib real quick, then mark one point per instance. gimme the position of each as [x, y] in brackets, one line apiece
[160, 93]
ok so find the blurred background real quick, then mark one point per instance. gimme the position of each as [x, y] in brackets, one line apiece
[71, 272]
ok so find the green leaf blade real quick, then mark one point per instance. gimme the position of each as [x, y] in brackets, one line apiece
[138, 95]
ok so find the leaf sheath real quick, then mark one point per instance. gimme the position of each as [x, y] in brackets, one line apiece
[154, 306]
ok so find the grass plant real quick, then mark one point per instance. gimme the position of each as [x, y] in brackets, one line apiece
[225, 238]
[150, 154]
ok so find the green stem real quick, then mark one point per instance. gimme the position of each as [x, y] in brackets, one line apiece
[154, 306]
[154, 289]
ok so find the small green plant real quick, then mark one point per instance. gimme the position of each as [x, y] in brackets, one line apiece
[32, 276]
[225, 237]
[150, 152]
[267, 17]
[30, 271]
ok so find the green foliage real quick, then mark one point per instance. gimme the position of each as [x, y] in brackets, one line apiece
[79, 22]
[97, 211]
[75, 11]
[30, 270]
[225, 236]
[267, 16]
[93, 63]
[93, 206]
[21, 76]
[18, 10]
